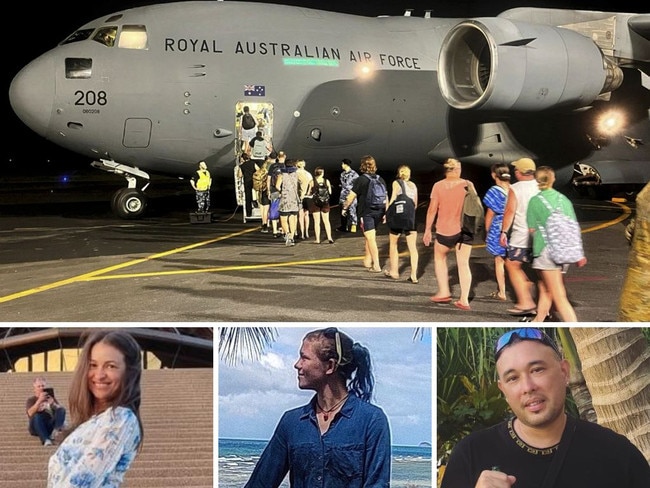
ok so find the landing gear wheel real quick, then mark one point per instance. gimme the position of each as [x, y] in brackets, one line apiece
[129, 203]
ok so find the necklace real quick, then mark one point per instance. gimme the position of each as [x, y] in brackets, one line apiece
[326, 413]
[526, 447]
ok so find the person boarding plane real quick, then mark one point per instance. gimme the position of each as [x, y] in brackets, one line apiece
[166, 88]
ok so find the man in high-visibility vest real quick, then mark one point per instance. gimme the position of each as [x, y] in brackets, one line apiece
[201, 182]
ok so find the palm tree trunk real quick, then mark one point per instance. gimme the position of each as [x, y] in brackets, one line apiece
[616, 366]
[635, 298]
[577, 383]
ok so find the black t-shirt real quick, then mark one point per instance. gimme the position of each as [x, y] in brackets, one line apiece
[360, 189]
[597, 458]
[274, 171]
[247, 169]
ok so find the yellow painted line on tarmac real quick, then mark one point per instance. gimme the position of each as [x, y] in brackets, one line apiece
[97, 273]
[102, 274]
[244, 267]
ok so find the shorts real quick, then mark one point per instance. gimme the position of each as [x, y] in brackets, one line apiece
[451, 241]
[544, 262]
[306, 202]
[521, 254]
[263, 198]
[399, 232]
[371, 221]
[313, 208]
[288, 212]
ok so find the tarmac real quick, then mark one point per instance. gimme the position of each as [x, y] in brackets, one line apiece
[64, 257]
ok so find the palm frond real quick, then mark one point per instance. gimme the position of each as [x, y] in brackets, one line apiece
[239, 343]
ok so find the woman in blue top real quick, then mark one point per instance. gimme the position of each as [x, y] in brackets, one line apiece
[339, 439]
[495, 204]
[105, 407]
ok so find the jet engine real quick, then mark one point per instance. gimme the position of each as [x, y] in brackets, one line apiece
[500, 64]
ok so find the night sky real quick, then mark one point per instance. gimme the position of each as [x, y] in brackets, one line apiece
[42, 27]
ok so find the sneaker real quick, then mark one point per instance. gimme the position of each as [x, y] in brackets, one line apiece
[265, 229]
[288, 240]
[292, 242]
[48, 442]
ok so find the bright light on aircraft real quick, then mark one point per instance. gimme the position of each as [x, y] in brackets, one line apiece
[610, 123]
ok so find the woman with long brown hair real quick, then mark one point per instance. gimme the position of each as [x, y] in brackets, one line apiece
[104, 403]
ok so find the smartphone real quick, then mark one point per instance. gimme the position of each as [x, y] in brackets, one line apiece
[49, 391]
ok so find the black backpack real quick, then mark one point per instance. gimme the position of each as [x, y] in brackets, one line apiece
[247, 121]
[321, 195]
[401, 213]
[377, 194]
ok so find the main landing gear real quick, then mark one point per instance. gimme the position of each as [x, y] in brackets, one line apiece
[129, 202]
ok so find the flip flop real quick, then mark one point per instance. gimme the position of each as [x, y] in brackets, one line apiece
[388, 275]
[411, 280]
[457, 304]
[519, 312]
[375, 270]
[435, 299]
[495, 296]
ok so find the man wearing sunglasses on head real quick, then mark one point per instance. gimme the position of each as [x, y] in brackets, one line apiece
[540, 446]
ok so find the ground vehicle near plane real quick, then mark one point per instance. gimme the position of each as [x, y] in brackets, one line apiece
[155, 89]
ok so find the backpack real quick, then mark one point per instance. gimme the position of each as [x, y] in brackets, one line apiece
[562, 235]
[472, 218]
[275, 170]
[377, 194]
[321, 195]
[259, 179]
[401, 213]
[258, 151]
[247, 121]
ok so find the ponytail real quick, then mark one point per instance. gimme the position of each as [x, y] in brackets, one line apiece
[352, 360]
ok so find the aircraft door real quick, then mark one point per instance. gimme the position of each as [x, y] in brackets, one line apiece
[262, 113]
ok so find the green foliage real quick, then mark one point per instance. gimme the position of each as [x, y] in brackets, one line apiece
[468, 398]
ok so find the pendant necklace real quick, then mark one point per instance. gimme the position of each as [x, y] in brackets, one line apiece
[326, 413]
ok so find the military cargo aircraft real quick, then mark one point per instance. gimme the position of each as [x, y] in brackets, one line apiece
[154, 90]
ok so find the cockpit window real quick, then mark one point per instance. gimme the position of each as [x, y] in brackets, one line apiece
[78, 68]
[133, 37]
[80, 35]
[106, 36]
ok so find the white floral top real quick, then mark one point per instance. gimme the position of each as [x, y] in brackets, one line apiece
[98, 453]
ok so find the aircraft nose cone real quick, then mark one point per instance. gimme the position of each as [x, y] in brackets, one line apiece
[31, 94]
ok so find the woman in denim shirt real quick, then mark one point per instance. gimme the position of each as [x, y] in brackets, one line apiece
[339, 439]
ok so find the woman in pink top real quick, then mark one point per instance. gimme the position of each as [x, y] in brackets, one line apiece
[445, 208]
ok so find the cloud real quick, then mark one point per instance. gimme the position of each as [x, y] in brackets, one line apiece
[254, 395]
[272, 361]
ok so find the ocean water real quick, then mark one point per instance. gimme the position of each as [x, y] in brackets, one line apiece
[411, 465]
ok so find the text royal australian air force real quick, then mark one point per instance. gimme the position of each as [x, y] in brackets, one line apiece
[293, 51]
